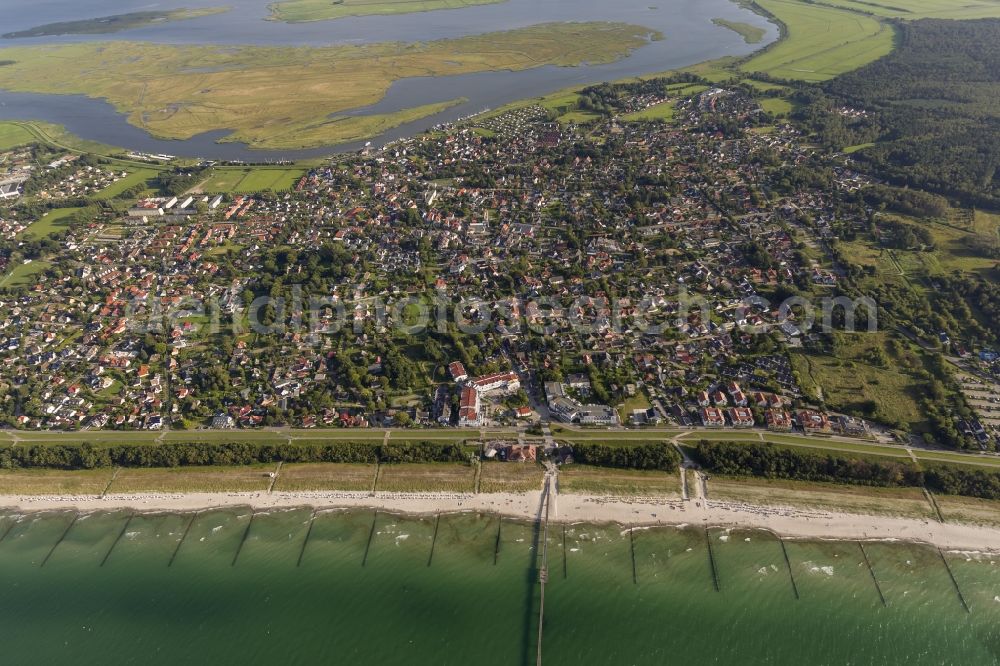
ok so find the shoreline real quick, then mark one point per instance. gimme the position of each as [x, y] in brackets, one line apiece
[784, 521]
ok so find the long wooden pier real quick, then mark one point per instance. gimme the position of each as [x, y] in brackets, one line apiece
[543, 571]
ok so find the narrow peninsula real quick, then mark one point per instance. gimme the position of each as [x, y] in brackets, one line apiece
[117, 23]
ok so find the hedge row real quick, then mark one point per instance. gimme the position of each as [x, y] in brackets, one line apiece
[658, 455]
[775, 462]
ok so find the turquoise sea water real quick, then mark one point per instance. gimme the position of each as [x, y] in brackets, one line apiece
[365, 588]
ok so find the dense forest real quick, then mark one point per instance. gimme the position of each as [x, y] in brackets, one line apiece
[933, 110]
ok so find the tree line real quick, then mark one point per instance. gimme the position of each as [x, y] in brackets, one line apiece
[773, 462]
[184, 454]
[658, 455]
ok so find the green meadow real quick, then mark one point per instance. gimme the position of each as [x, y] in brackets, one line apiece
[820, 42]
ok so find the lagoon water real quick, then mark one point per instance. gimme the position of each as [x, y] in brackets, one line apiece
[689, 37]
[363, 588]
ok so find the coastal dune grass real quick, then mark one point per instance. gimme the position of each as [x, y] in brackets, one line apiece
[585, 480]
[426, 477]
[969, 510]
[500, 477]
[54, 481]
[247, 478]
[903, 502]
[325, 476]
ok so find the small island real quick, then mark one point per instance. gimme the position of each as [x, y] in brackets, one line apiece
[751, 34]
[117, 23]
[302, 11]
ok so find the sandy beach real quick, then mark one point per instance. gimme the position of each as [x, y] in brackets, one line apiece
[627, 511]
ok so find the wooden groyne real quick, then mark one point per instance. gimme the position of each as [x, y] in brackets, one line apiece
[309, 530]
[371, 535]
[934, 505]
[437, 523]
[243, 540]
[118, 538]
[183, 537]
[13, 523]
[878, 588]
[788, 563]
[631, 548]
[951, 575]
[496, 546]
[711, 562]
[565, 568]
[114, 475]
[65, 532]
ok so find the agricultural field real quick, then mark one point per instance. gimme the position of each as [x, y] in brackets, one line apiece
[300, 11]
[54, 481]
[908, 502]
[249, 478]
[765, 86]
[13, 135]
[224, 181]
[586, 480]
[247, 89]
[426, 477]
[324, 476]
[500, 477]
[821, 42]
